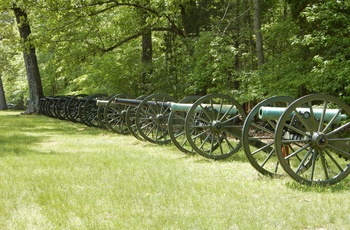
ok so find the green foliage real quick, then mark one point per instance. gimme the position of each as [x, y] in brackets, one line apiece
[199, 47]
[285, 68]
[171, 66]
[12, 70]
[307, 49]
[331, 77]
[15, 81]
[213, 70]
[329, 41]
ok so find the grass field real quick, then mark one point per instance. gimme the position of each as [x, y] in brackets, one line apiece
[60, 175]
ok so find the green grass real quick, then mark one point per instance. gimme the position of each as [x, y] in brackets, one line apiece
[60, 175]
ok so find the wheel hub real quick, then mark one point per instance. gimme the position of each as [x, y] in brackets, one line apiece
[216, 126]
[123, 113]
[319, 140]
[160, 118]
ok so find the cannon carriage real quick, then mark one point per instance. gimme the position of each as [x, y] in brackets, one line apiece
[144, 117]
[313, 145]
[212, 125]
[309, 138]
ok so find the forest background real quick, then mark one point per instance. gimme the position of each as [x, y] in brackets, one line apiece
[248, 49]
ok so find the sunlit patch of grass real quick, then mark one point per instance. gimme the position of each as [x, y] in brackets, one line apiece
[61, 175]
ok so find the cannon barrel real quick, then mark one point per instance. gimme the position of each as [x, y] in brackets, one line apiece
[184, 107]
[101, 102]
[178, 107]
[274, 113]
[121, 101]
[126, 101]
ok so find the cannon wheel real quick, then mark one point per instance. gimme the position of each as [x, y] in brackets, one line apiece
[258, 137]
[89, 110]
[177, 127]
[55, 107]
[59, 108]
[100, 115]
[131, 120]
[81, 103]
[48, 106]
[115, 115]
[212, 132]
[51, 107]
[41, 106]
[152, 119]
[314, 149]
[72, 107]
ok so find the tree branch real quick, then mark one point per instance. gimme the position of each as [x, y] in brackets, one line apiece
[138, 34]
[122, 42]
[174, 28]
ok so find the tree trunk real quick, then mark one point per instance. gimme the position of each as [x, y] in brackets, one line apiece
[257, 30]
[146, 60]
[3, 104]
[30, 60]
[147, 54]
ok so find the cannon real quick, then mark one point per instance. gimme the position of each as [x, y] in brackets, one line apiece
[53, 106]
[71, 107]
[145, 117]
[113, 116]
[214, 130]
[309, 138]
[176, 126]
[88, 110]
[47, 106]
[82, 108]
[118, 118]
[212, 125]
[274, 113]
[101, 121]
[60, 107]
[43, 106]
[258, 136]
[78, 108]
[314, 149]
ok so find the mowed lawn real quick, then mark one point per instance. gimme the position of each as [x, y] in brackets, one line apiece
[61, 175]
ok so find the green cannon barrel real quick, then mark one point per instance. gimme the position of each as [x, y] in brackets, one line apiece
[184, 107]
[274, 113]
[178, 107]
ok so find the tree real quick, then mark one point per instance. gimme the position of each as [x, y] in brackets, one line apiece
[329, 41]
[30, 60]
[147, 51]
[3, 58]
[283, 71]
[80, 35]
[182, 47]
[3, 104]
[258, 35]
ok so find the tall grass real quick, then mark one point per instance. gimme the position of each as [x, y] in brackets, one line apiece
[60, 175]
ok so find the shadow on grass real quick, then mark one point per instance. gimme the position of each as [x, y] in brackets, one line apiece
[237, 157]
[19, 133]
[343, 185]
[17, 144]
